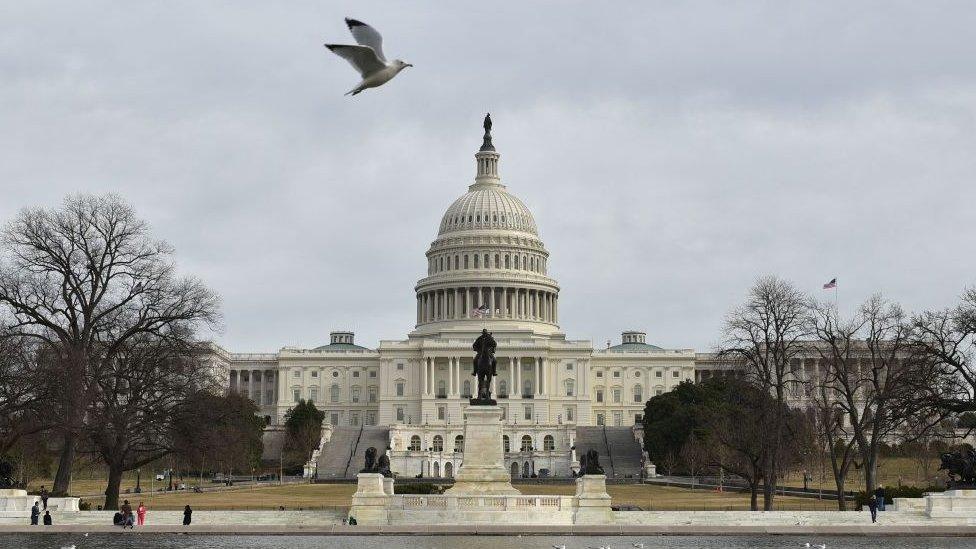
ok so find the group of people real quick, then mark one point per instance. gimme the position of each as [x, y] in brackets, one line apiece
[36, 509]
[124, 517]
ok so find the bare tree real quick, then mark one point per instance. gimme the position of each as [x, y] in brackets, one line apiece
[137, 401]
[21, 394]
[83, 280]
[835, 440]
[874, 376]
[765, 335]
[948, 338]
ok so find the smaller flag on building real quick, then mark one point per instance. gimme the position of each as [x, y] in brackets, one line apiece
[481, 312]
[831, 284]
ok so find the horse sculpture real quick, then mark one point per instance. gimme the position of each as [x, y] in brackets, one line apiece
[484, 367]
[961, 466]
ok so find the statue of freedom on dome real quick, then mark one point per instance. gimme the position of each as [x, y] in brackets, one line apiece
[484, 367]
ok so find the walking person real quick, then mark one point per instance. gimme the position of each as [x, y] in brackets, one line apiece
[35, 513]
[873, 507]
[141, 514]
[187, 515]
[879, 493]
[47, 518]
[44, 496]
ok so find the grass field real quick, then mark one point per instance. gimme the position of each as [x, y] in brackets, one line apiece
[892, 471]
[319, 496]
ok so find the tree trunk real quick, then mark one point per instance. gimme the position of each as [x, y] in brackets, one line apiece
[840, 480]
[62, 480]
[112, 489]
[754, 495]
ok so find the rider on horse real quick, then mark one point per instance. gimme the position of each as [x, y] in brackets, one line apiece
[484, 363]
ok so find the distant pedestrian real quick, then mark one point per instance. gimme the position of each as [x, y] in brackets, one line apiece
[187, 515]
[44, 496]
[35, 513]
[141, 514]
[47, 518]
[873, 507]
[879, 493]
[128, 519]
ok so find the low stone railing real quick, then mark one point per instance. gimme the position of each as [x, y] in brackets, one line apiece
[485, 503]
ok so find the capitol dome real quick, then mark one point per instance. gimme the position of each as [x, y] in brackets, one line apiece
[488, 207]
[488, 264]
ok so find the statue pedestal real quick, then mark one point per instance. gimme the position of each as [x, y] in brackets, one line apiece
[592, 500]
[959, 503]
[482, 470]
[371, 499]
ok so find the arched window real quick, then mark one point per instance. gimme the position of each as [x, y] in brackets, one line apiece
[466, 388]
[455, 263]
[415, 443]
[570, 387]
[486, 261]
[526, 472]
[498, 261]
[440, 264]
[465, 261]
[503, 389]
[532, 263]
[516, 266]
[438, 443]
[459, 444]
[441, 389]
[508, 261]
[515, 470]
[334, 393]
[476, 260]
[449, 470]
[526, 443]
[548, 443]
[506, 446]
[437, 470]
[638, 393]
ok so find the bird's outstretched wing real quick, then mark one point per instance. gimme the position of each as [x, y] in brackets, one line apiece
[366, 35]
[362, 58]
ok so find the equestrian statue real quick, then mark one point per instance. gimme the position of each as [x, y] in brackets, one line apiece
[484, 368]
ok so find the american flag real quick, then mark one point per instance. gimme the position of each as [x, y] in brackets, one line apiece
[831, 284]
[481, 312]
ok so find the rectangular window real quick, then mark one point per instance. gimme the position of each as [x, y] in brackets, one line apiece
[355, 394]
[616, 373]
[616, 395]
[399, 366]
[296, 394]
[618, 419]
[313, 394]
[399, 415]
[269, 396]
[315, 373]
[441, 412]
[676, 373]
[599, 395]
[335, 418]
[244, 393]
[600, 419]
[372, 394]
[355, 374]
[569, 367]
[570, 414]
[599, 373]
[659, 392]
[354, 419]
[372, 373]
[296, 373]
[528, 412]
[657, 373]
[399, 389]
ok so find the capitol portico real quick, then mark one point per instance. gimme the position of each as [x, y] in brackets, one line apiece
[487, 268]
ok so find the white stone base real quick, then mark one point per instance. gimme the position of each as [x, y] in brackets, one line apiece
[951, 504]
[483, 470]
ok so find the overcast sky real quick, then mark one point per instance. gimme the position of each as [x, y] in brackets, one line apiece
[671, 152]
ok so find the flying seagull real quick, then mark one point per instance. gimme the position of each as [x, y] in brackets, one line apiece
[367, 57]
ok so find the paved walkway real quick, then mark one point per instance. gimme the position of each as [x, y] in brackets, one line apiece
[490, 530]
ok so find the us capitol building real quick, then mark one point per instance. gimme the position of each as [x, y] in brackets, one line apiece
[488, 255]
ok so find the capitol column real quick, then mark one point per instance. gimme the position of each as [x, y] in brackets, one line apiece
[491, 301]
[511, 375]
[518, 376]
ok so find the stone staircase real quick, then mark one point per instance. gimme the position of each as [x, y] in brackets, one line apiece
[620, 453]
[342, 456]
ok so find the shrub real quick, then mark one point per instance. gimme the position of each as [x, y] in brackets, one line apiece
[418, 488]
[892, 492]
[84, 506]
